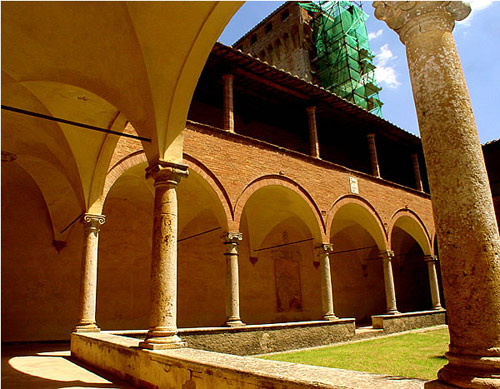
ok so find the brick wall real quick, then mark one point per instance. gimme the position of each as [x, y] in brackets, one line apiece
[237, 161]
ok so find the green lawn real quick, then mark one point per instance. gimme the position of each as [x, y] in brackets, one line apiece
[417, 355]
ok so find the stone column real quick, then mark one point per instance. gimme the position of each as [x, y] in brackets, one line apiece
[433, 281]
[416, 170]
[324, 252]
[469, 243]
[228, 102]
[313, 132]
[390, 290]
[231, 240]
[162, 332]
[88, 281]
[373, 155]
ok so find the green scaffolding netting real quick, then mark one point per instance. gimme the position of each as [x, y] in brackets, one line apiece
[343, 56]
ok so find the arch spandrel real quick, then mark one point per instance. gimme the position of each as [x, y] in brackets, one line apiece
[410, 223]
[350, 210]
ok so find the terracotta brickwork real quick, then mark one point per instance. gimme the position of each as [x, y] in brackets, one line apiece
[225, 154]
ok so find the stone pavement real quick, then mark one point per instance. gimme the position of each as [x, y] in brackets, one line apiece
[48, 365]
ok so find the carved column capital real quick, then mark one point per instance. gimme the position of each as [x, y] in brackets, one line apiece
[409, 17]
[324, 249]
[93, 222]
[431, 258]
[166, 173]
[387, 254]
[232, 238]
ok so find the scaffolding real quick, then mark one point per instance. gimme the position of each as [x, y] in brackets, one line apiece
[344, 61]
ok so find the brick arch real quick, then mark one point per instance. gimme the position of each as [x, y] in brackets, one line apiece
[118, 169]
[363, 203]
[139, 157]
[413, 229]
[205, 173]
[285, 182]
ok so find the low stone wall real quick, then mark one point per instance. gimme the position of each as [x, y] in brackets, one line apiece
[265, 338]
[190, 368]
[268, 338]
[408, 321]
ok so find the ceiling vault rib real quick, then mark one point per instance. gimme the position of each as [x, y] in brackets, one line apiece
[72, 123]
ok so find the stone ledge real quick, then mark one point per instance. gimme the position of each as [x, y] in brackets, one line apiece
[407, 321]
[121, 357]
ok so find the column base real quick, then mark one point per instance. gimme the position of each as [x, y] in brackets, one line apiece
[438, 308]
[330, 317]
[234, 323]
[162, 343]
[91, 327]
[471, 371]
[393, 312]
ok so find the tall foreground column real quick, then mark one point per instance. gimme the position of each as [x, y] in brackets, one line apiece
[88, 280]
[390, 290]
[469, 244]
[324, 252]
[162, 332]
[231, 240]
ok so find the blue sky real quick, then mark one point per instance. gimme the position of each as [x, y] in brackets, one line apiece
[477, 39]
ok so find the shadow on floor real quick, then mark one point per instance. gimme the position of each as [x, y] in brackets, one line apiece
[49, 365]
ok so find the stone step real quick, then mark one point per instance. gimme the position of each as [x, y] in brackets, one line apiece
[367, 332]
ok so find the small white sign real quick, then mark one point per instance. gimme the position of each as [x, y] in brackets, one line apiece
[354, 185]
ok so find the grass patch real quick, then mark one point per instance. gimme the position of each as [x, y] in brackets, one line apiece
[417, 355]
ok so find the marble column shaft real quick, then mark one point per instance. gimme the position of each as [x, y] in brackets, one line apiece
[162, 332]
[469, 243]
[313, 131]
[228, 102]
[433, 281]
[373, 155]
[390, 290]
[88, 282]
[324, 252]
[231, 240]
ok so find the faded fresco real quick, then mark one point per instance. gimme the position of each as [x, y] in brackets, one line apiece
[287, 276]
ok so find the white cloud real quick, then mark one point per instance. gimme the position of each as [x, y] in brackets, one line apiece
[476, 6]
[385, 73]
[373, 35]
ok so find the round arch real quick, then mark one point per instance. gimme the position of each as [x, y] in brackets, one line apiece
[281, 184]
[355, 209]
[409, 222]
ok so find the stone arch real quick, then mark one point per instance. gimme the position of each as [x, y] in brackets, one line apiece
[215, 185]
[410, 242]
[358, 236]
[366, 210]
[434, 241]
[411, 223]
[281, 226]
[276, 180]
[121, 167]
